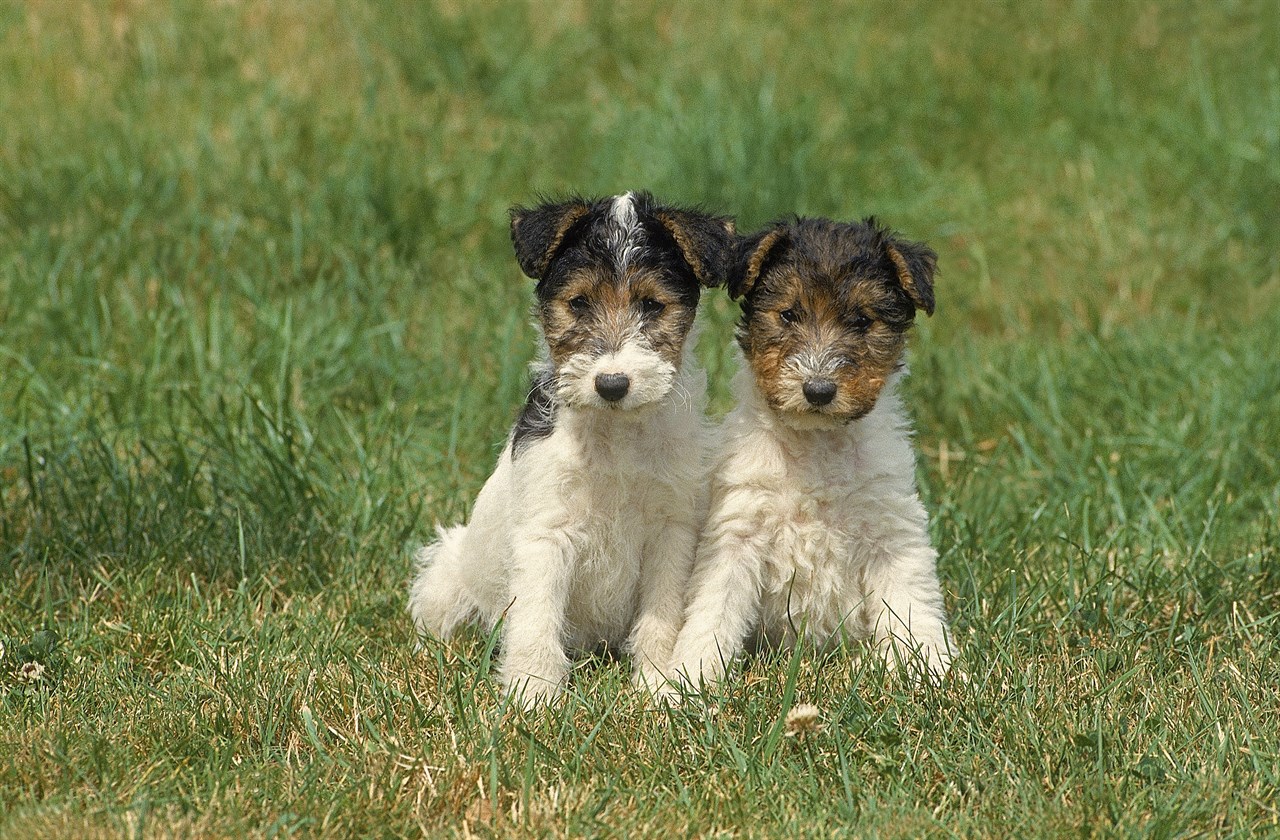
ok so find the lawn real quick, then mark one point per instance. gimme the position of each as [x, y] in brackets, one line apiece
[261, 328]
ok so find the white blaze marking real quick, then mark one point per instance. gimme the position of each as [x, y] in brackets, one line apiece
[624, 231]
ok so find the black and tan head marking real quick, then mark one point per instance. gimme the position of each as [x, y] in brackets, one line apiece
[825, 311]
[615, 274]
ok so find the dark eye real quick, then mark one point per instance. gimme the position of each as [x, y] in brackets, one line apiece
[861, 323]
[579, 304]
[649, 306]
[789, 315]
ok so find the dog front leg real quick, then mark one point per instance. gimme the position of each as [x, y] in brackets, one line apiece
[666, 564]
[724, 603]
[907, 616]
[534, 663]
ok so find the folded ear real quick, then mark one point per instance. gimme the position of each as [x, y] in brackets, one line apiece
[538, 233]
[915, 264]
[751, 256]
[704, 241]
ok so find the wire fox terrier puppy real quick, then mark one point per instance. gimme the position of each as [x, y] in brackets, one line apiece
[815, 526]
[585, 533]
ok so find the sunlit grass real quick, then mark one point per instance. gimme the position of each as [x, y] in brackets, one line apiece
[260, 328]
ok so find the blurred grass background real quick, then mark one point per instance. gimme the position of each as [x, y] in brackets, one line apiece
[260, 327]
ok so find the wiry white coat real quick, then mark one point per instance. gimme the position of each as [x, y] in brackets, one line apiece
[584, 538]
[818, 532]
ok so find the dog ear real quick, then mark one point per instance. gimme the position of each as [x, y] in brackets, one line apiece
[751, 255]
[704, 241]
[915, 264]
[539, 232]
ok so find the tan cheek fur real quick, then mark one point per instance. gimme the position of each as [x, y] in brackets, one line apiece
[668, 332]
[767, 365]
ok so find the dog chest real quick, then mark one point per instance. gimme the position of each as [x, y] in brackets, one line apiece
[618, 494]
[816, 505]
[811, 571]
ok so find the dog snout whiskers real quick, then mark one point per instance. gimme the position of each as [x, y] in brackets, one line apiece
[612, 386]
[819, 392]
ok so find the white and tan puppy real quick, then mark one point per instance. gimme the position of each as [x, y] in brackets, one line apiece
[815, 526]
[584, 534]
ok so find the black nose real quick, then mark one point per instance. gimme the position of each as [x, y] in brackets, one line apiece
[816, 391]
[612, 386]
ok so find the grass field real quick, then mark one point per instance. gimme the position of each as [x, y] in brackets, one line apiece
[260, 328]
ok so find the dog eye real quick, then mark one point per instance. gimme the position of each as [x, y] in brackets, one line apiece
[649, 306]
[789, 315]
[579, 304]
[861, 323]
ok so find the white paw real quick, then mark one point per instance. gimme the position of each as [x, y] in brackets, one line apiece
[657, 688]
[919, 662]
[704, 674]
[535, 680]
[532, 692]
[647, 678]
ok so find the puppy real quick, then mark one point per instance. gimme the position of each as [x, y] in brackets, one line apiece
[815, 526]
[584, 535]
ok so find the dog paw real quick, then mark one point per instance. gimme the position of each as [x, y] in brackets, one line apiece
[920, 663]
[647, 678]
[535, 680]
[667, 694]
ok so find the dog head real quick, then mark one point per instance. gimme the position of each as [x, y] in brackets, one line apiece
[825, 311]
[618, 286]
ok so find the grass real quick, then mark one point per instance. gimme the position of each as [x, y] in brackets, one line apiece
[260, 327]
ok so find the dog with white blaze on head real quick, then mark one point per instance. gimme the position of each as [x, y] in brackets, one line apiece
[815, 528]
[584, 535]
